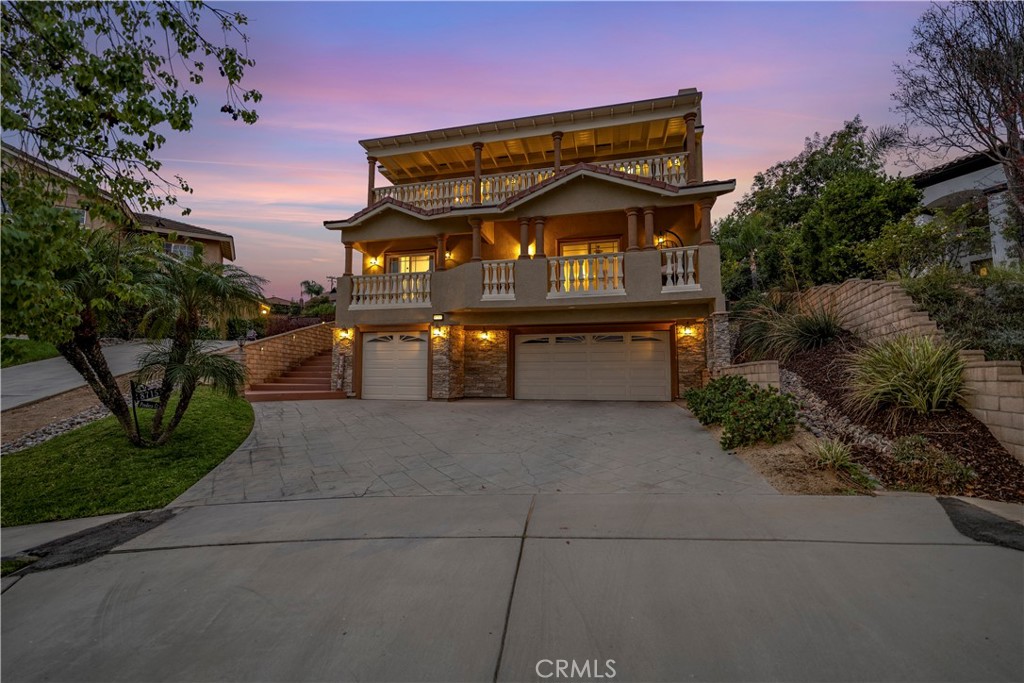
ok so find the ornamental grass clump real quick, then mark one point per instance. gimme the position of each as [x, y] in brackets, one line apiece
[835, 456]
[768, 333]
[748, 414]
[904, 376]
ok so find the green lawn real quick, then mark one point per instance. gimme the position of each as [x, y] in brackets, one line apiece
[18, 351]
[93, 470]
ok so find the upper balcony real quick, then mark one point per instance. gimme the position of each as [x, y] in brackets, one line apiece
[496, 188]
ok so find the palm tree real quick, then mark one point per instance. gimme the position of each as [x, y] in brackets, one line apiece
[185, 292]
[312, 288]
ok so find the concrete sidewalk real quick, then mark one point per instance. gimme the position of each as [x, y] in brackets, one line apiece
[30, 382]
[670, 587]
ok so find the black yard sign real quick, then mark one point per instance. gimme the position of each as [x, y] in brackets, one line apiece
[143, 397]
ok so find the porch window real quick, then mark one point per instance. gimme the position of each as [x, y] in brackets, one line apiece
[585, 247]
[179, 250]
[411, 263]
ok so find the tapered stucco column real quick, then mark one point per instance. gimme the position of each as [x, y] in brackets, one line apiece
[439, 260]
[648, 227]
[372, 177]
[475, 224]
[698, 163]
[348, 258]
[631, 218]
[538, 232]
[524, 238]
[478, 148]
[705, 220]
[691, 147]
[556, 139]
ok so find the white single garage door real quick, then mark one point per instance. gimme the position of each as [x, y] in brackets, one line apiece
[395, 365]
[608, 366]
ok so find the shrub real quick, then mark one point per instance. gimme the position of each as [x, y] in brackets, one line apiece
[904, 376]
[767, 332]
[984, 313]
[321, 310]
[747, 413]
[759, 415]
[925, 468]
[207, 333]
[239, 327]
[711, 404]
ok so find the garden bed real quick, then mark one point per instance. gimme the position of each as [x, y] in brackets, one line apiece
[954, 431]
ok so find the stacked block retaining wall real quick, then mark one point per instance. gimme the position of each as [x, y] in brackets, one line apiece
[266, 359]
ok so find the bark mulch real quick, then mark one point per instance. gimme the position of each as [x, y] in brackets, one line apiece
[954, 431]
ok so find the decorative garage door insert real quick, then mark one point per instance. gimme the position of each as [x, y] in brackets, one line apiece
[395, 365]
[602, 366]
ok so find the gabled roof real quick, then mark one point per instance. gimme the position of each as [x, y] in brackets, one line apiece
[164, 226]
[716, 187]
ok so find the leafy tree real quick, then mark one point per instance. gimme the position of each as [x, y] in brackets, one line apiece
[92, 88]
[963, 85]
[311, 288]
[919, 243]
[803, 217]
[184, 294]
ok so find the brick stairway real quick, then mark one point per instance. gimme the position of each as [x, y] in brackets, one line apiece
[308, 382]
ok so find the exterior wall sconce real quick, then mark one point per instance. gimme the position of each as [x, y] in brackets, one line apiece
[447, 256]
[264, 309]
[687, 331]
[437, 331]
[344, 333]
[374, 262]
[485, 335]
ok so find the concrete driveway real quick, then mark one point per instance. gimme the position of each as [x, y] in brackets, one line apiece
[318, 449]
[292, 572]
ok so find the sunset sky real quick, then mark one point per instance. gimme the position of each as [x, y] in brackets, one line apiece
[333, 73]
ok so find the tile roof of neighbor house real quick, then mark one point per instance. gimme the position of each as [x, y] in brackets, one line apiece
[951, 169]
[543, 186]
[161, 225]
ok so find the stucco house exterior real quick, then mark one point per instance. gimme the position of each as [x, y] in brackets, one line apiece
[559, 256]
[971, 178]
[179, 238]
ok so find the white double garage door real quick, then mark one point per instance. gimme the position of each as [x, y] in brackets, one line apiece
[597, 366]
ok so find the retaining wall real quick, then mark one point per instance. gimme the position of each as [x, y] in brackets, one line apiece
[873, 310]
[266, 359]
[764, 373]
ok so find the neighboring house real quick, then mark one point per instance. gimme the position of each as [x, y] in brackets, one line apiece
[557, 256]
[217, 246]
[972, 178]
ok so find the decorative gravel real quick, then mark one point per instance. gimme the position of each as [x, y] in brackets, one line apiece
[57, 428]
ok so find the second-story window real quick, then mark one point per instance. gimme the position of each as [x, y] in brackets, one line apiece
[585, 247]
[411, 263]
[179, 250]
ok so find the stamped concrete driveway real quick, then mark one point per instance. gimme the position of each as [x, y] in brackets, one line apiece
[333, 449]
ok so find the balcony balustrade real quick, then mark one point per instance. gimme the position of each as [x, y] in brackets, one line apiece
[496, 188]
[679, 270]
[394, 290]
[499, 281]
[590, 275]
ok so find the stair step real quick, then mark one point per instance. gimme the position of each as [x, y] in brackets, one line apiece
[289, 378]
[285, 386]
[257, 396]
[304, 372]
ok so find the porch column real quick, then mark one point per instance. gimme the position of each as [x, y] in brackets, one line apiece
[478, 148]
[698, 163]
[524, 237]
[348, 258]
[439, 263]
[556, 138]
[475, 224]
[648, 227]
[538, 232]
[705, 219]
[631, 215]
[691, 147]
[372, 167]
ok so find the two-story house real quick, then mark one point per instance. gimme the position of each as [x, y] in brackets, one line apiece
[558, 256]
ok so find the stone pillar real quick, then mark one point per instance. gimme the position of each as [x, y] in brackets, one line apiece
[631, 217]
[475, 224]
[649, 227]
[348, 258]
[477, 166]
[439, 261]
[341, 362]
[447, 369]
[719, 344]
[372, 161]
[705, 219]
[691, 147]
[691, 354]
[556, 139]
[538, 233]
[524, 238]
[486, 364]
